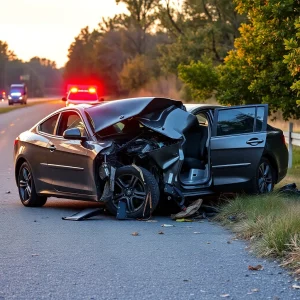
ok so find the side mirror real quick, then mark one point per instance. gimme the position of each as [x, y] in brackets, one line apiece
[64, 99]
[73, 134]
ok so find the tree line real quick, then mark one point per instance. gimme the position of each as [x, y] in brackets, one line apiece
[40, 74]
[236, 51]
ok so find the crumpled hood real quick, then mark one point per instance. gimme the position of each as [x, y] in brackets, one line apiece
[110, 113]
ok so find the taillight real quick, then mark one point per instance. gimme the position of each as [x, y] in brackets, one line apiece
[16, 141]
[283, 139]
[92, 90]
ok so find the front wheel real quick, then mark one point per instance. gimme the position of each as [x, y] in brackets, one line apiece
[133, 185]
[264, 179]
[26, 187]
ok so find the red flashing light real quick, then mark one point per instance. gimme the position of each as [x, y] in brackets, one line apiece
[74, 90]
[92, 90]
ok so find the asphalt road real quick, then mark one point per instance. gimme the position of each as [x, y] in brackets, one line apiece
[44, 257]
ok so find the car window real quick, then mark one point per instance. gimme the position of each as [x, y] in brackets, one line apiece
[260, 118]
[70, 120]
[49, 125]
[236, 121]
[202, 119]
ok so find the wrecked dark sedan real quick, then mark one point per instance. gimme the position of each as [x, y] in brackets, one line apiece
[141, 150]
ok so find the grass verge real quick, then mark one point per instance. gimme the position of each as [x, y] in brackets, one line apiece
[270, 222]
[7, 108]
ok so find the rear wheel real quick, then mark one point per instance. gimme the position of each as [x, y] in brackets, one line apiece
[10, 103]
[264, 179]
[132, 186]
[26, 187]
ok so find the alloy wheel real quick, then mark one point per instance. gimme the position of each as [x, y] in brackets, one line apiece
[265, 178]
[131, 189]
[25, 184]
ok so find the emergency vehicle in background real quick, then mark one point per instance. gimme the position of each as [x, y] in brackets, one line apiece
[17, 94]
[82, 94]
[3, 96]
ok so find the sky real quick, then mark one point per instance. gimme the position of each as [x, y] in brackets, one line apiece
[46, 28]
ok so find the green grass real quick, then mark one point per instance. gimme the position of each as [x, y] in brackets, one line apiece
[270, 222]
[7, 108]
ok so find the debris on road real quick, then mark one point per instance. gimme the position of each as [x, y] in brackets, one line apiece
[296, 287]
[189, 211]
[197, 232]
[161, 232]
[34, 254]
[290, 189]
[167, 225]
[225, 295]
[255, 268]
[184, 220]
[253, 291]
[8, 192]
[85, 214]
[135, 233]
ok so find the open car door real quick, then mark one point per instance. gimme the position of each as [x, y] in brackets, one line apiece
[237, 144]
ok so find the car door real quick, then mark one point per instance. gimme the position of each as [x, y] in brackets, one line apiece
[70, 161]
[38, 153]
[237, 145]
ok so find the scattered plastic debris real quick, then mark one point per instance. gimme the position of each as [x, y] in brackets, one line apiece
[85, 214]
[296, 287]
[255, 268]
[290, 189]
[167, 225]
[184, 220]
[225, 295]
[161, 232]
[135, 233]
[189, 211]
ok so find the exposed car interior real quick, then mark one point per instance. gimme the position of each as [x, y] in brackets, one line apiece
[195, 168]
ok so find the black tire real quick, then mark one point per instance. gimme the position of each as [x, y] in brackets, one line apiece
[129, 186]
[264, 179]
[9, 103]
[26, 188]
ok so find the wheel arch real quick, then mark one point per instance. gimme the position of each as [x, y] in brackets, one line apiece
[273, 162]
[19, 163]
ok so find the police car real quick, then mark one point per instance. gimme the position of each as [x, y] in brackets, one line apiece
[82, 95]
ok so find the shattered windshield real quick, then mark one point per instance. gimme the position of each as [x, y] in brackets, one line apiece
[130, 126]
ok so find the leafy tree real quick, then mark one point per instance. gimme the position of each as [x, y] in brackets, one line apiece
[293, 58]
[199, 28]
[142, 16]
[135, 74]
[200, 77]
[6, 56]
[43, 72]
[254, 72]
